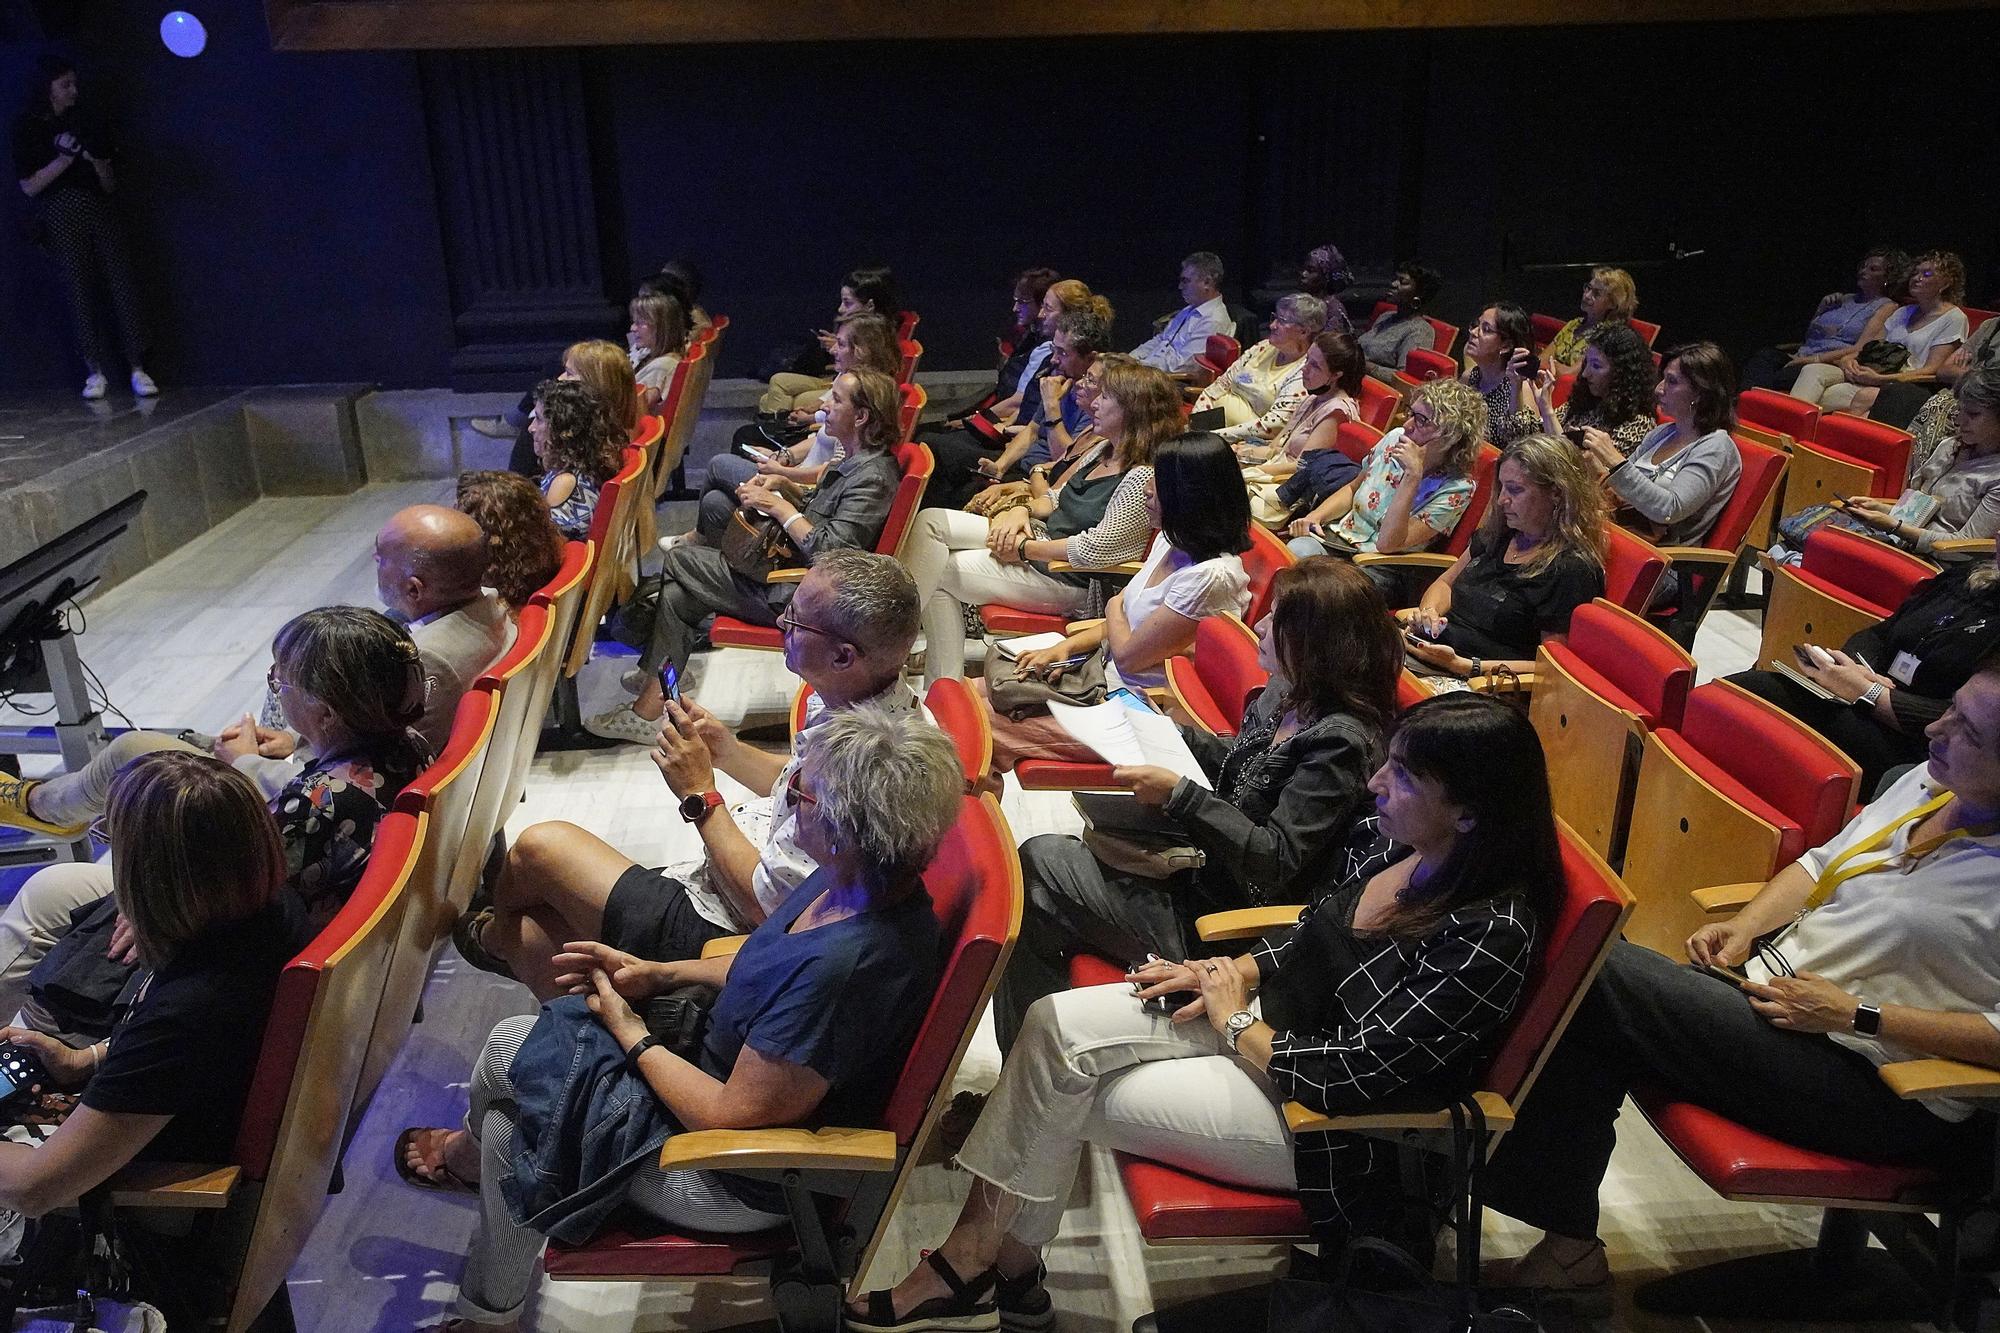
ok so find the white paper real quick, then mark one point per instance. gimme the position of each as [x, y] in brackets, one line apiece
[1027, 643]
[1127, 737]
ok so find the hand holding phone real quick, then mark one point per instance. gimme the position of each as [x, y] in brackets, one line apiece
[1720, 973]
[21, 1070]
[670, 682]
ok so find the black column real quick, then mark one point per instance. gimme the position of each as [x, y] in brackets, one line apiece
[511, 155]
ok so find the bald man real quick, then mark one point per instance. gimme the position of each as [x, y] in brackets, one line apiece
[429, 563]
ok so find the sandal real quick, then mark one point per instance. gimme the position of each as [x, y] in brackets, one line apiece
[469, 935]
[447, 1181]
[1025, 1306]
[969, 1309]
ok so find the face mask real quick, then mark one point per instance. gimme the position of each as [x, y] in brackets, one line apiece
[819, 417]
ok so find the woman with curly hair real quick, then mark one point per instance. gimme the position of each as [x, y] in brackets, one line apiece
[1415, 484]
[578, 445]
[1928, 329]
[523, 547]
[606, 370]
[1612, 397]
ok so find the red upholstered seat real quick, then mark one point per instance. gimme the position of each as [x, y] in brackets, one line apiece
[1779, 412]
[621, 1251]
[1632, 569]
[1378, 404]
[1626, 664]
[1546, 328]
[1421, 366]
[1087, 969]
[1219, 353]
[1215, 684]
[1851, 568]
[1356, 438]
[1793, 771]
[1012, 620]
[1173, 1205]
[1483, 465]
[1062, 775]
[1267, 555]
[1740, 1163]
[1882, 449]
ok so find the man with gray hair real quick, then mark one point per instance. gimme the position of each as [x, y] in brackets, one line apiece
[1174, 348]
[847, 634]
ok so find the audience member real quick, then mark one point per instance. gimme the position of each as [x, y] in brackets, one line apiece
[1396, 980]
[1050, 418]
[1612, 395]
[523, 548]
[1930, 416]
[680, 279]
[846, 635]
[1196, 503]
[350, 683]
[697, 582]
[1024, 333]
[198, 864]
[1325, 274]
[1391, 335]
[1538, 555]
[578, 446]
[1501, 346]
[1670, 489]
[1185, 335]
[1853, 956]
[1060, 295]
[1414, 485]
[1843, 322]
[811, 1022]
[864, 291]
[1256, 395]
[657, 340]
[1962, 473]
[1610, 297]
[1942, 631]
[430, 571]
[1094, 517]
[1306, 465]
[1914, 342]
[1288, 788]
[607, 372]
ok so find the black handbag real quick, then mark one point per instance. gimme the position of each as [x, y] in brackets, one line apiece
[678, 1019]
[1409, 1301]
[76, 982]
[1883, 357]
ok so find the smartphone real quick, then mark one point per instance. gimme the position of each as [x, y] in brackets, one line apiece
[1131, 700]
[1811, 656]
[1730, 975]
[670, 682]
[20, 1070]
[760, 453]
[1166, 1006]
[1574, 434]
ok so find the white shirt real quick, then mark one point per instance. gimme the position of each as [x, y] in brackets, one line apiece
[1947, 327]
[1193, 589]
[1175, 347]
[1925, 935]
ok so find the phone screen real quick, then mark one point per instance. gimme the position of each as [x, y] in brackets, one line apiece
[1131, 700]
[19, 1070]
[670, 681]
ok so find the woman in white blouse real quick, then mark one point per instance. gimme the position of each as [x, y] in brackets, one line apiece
[1258, 393]
[1930, 328]
[1195, 498]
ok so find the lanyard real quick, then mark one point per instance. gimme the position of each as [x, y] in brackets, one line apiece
[1844, 867]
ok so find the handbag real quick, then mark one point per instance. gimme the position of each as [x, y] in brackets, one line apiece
[1149, 856]
[1415, 1304]
[678, 1019]
[754, 544]
[1883, 357]
[1019, 696]
[76, 983]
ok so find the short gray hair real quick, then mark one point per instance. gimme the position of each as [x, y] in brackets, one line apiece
[1980, 388]
[1088, 331]
[871, 600]
[889, 784]
[1207, 263]
[1305, 310]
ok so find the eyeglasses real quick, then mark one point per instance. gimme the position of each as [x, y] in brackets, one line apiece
[277, 686]
[789, 622]
[1422, 420]
[1768, 953]
[795, 788]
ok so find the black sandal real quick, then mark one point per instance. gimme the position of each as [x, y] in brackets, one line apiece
[469, 933]
[969, 1309]
[1025, 1306]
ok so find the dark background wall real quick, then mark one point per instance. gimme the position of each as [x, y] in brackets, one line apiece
[287, 207]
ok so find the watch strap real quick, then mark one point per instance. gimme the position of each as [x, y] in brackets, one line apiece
[1871, 695]
[1239, 1023]
[693, 814]
[639, 1048]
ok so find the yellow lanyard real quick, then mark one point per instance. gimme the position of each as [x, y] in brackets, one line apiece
[1844, 867]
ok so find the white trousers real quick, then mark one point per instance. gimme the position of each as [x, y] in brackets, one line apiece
[1825, 385]
[1092, 1066]
[947, 555]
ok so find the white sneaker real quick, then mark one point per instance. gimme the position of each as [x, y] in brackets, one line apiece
[622, 724]
[96, 387]
[634, 679]
[677, 539]
[142, 384]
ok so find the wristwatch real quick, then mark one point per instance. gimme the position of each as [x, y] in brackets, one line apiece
[1871, 695]
[639, 1048]
[1237, 1024]
[1867, 1020]
[695, 807]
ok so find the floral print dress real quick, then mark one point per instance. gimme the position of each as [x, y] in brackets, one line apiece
[327, 818]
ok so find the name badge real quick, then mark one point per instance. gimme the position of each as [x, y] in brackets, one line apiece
[1904, 669]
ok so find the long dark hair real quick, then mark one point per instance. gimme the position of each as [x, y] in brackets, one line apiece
[877, 285]
[1631, 393]
[49, 66]
[1204, 508]
[1488, 760]
[1338, 647]
[1344, 360]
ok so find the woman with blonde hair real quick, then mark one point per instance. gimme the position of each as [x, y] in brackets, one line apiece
[658, 338]
[1610, 297]
[607, 372]
[1538, 555]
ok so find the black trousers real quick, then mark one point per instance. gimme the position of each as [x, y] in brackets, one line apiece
[1649, 1021]
[1866, 741]
[89, 247]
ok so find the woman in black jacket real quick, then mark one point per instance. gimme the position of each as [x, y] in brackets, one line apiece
[1892, 680]
[1287, 789]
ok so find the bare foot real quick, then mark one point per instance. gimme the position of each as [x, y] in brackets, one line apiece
[442, 1158]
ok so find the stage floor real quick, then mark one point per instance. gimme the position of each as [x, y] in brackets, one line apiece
[42, 433]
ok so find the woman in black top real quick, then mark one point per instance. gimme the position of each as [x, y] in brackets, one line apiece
[1288, 788]
[62, 158]
[1904, 670]
[1392, 985]
[198, 864]
[1538, 555]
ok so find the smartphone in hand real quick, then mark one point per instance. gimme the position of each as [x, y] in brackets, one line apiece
[670, 682]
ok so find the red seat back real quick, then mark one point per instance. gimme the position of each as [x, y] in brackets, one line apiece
[1775, 757]
[913, 352]
[1572, 947]
[911, 402]
[1762, 466]
[1632, 568]
[960, 715]
[1225, 664]
[1546, 328]
[1974, 317]
[1377, 403]
[1267, 555]
[1560, 391]
[1219, 353]
[1446, 336]
[1778, 412]
[1483, 464]
[906, 324]
[1645, 329]
[1619, 649]
[1410, 690]
[1356, 438]
[1874, 576]
[1882, 448]
[915, 460]
[1422, 365]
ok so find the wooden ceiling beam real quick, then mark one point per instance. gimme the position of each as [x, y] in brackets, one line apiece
[348, 25]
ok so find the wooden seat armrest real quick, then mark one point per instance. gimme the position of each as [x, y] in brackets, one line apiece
[1696, 555]
[1129, 568]
[1078, 626]
[784, 576]
[1513, 684]
[1922, 1080]
[723, 946]
[1962, 546]
[1499, 1116]
[174, 1185]
[1246, 922]
[780, 1150]
[1725, 897]
[1407, 559]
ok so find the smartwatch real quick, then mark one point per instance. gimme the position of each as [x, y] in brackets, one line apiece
[1867, 1020]
[639, 1048]
[1871, 695]
[695, 807]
